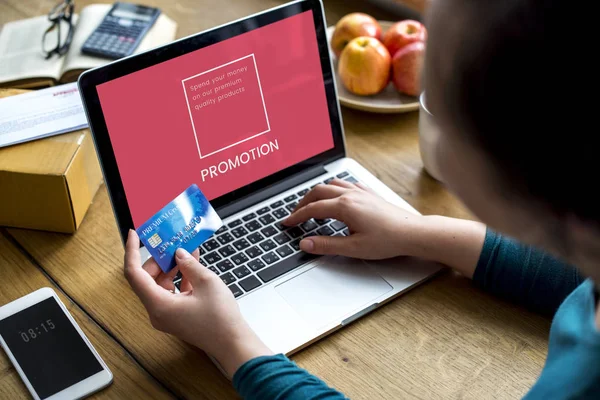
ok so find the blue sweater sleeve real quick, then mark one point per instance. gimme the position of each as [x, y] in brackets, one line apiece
[276, 377]
[506, 268]
[524, 274]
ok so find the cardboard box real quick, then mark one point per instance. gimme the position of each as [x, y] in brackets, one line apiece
[49, 184]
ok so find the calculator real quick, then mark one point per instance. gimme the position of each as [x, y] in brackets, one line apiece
[121, 31]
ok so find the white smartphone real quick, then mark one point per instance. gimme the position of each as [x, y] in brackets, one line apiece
[49, 350]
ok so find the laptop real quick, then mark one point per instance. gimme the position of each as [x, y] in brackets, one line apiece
[249, 112]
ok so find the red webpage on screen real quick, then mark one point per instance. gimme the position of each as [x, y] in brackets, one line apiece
[221, 117]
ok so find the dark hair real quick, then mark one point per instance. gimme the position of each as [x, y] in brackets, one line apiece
[505, 78]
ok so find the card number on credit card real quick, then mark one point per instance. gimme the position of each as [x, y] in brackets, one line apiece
[187, 222]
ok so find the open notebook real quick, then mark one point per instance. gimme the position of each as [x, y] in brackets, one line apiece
[22, 62]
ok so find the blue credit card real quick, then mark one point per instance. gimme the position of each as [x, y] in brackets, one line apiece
[187, 222]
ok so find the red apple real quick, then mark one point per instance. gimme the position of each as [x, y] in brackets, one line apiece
[364, 66]
[402, 33]
[407, 64]
[352, 26]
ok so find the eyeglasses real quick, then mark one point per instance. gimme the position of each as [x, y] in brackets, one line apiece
[61, 17]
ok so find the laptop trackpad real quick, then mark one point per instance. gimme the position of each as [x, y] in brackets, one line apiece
[336, 288]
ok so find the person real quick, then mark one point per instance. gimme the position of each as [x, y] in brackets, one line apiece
[509, 150]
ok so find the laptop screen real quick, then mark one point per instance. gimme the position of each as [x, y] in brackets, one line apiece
[222, 117]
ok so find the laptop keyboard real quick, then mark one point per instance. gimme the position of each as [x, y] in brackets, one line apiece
[257, 248]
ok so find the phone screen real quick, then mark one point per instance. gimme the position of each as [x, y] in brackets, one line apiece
[48, 348]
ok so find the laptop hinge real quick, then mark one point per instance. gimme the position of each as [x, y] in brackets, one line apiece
[270, 191]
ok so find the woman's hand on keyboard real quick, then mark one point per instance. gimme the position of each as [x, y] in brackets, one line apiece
[378, 228]
[205, 313]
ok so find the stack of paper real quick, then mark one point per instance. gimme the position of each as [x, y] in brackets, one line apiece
[41, 113]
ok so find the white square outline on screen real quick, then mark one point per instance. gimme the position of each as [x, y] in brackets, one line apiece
[261, 96]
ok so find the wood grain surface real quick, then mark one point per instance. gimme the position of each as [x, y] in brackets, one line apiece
[444, 339]
[19, 276]
[89, 266]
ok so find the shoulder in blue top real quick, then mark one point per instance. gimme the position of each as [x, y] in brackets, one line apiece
[572, 369]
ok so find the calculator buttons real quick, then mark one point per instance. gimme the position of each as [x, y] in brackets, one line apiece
[115, 37]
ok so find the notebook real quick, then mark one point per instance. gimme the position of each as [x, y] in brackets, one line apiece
[23, 64]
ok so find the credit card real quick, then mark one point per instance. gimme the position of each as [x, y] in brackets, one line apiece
[187, 222]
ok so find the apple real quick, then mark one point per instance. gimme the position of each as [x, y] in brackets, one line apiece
[402, 33]
[352, 26]
[364, 66]
[406, 65]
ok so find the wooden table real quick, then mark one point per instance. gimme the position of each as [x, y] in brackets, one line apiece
[444, 339]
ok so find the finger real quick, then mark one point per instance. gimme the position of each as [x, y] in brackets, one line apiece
[152, 268]
[349, 185]
[132, 250]
[334, 245]
[342, 183]
[166, 280]
[321, 209]
[366, 188]
[191, 269]
[141, 282]
[320, 192]
[196, 254]
[185, 286]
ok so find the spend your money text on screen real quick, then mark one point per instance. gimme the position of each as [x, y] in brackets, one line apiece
[220, 117]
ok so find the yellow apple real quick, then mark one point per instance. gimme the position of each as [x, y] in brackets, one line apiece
[364, 66]
[352, 26]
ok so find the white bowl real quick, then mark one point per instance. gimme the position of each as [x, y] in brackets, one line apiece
[389, 101]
